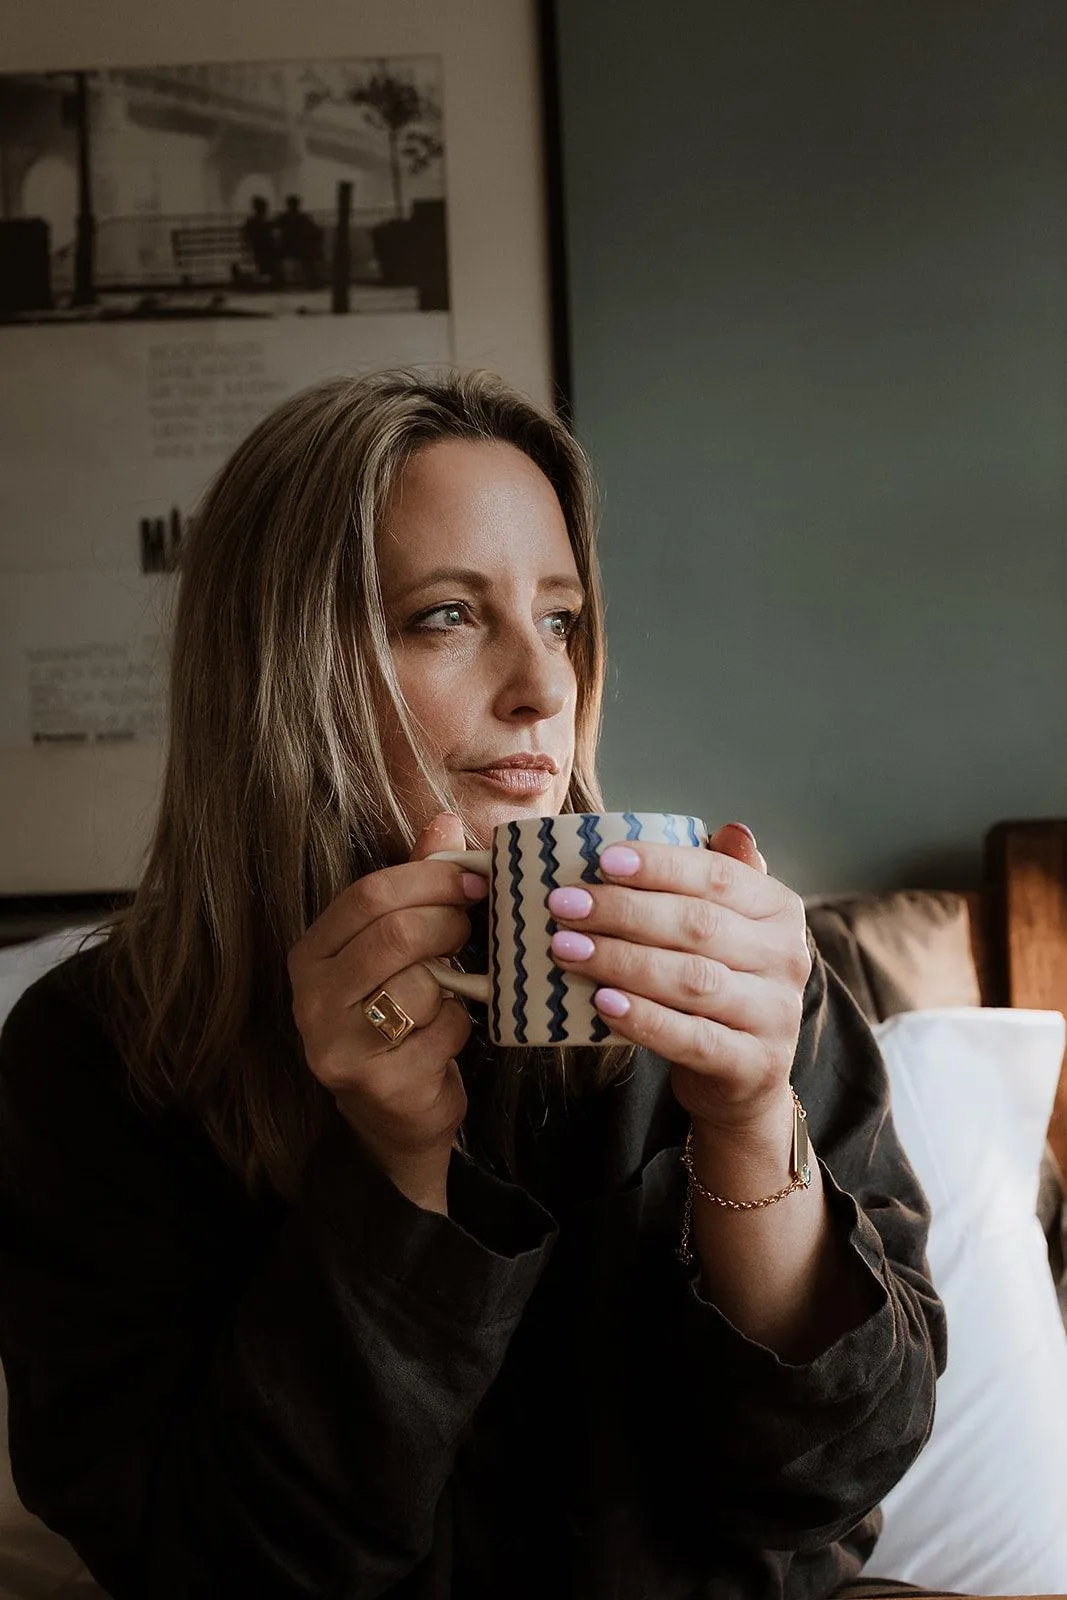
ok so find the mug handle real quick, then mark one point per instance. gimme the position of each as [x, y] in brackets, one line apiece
[472, 985]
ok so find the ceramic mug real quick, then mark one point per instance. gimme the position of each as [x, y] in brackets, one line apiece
[532, 1001]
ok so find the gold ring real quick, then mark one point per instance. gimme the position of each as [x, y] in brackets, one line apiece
[391, 1020]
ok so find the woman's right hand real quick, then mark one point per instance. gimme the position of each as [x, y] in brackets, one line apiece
[405, 1102]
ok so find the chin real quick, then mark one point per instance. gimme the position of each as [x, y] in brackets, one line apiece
[482, 814]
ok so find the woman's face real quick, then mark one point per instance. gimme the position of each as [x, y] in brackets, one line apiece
[481, 591]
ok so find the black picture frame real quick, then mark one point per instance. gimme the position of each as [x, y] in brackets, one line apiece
[555, 206]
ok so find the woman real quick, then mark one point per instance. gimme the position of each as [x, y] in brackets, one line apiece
[289, 1311]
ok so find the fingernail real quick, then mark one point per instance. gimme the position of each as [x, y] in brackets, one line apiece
[572, 946]
[742, 828]
[474, 885]
[570, 903]
[611, 1002]
[619, 861]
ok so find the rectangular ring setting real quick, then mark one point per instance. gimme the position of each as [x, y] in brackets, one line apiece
[393, 1023]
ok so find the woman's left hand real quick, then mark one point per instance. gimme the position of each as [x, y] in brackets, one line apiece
[702, 958]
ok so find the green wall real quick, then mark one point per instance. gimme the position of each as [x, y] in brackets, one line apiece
[817, 266]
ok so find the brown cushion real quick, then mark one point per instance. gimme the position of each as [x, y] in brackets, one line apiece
[906, 951]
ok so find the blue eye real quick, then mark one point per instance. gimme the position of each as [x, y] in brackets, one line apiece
[562, 624]
[453, 616]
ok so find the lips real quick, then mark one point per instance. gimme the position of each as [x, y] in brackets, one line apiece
[520, 774]
[525, 761]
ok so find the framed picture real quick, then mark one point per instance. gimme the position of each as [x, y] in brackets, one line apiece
[201, 211]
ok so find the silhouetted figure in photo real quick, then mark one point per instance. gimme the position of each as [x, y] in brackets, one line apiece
[261, 240]
[300, 241]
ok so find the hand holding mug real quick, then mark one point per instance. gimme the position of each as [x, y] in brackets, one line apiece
[701, 957]
[405, 1100]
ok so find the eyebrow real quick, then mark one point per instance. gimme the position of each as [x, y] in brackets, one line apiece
[478, 581]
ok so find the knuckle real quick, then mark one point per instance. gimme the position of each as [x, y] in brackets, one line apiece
[699, 978]
[719, 871]
[333, 1069]
[673, 867]
[798, 964]
[394, 1085]
[307, 1011]
[427, 995]
[458, 1022]
[704, 1038]
[372, 897]
[701, 921]
[622, 907]
[793, 906]
[783, 905]
[772, 1060]
[397, 936]
[655, 1030]
[391, 1091]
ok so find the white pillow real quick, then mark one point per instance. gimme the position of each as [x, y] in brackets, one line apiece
[984, 1508]
[23, 964]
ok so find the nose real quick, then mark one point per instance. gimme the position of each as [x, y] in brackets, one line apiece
[536, 682]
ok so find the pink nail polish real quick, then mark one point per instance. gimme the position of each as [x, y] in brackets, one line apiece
[611, 1002]
[570, 903]
[474, 886]
[619, 861]
[742, 828]
[572, 946]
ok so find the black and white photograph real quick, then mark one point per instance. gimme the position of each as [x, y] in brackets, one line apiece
[180, 249]
[250, 191]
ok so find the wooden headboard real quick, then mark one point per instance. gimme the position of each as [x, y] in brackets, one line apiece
[1019, 931]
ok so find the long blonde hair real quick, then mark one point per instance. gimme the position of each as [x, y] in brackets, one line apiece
[276, 793]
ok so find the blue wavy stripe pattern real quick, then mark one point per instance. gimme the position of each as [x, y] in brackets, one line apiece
[691, 824]
[494, 965]
[518, 1010]
[633, 827]
[557, 1027]
[671, 831]
[589, 849]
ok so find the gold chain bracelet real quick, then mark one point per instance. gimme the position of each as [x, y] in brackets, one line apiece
[800, 1166]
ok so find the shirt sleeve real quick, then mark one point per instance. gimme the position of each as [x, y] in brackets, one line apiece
[192, 1403]
[783, 1457]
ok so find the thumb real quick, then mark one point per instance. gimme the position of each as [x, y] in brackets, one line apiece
[443, 832]
[734, 839]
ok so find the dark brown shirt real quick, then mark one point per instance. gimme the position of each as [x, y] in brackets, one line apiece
[350, 1397]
